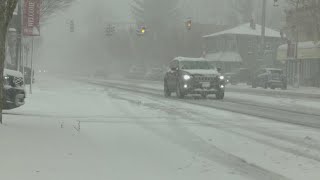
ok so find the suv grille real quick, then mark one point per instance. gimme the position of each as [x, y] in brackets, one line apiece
[205, 78]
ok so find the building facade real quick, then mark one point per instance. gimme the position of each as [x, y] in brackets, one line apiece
[239, 47]
[301, 54]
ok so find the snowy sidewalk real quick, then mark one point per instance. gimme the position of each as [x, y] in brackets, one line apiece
[40, 140]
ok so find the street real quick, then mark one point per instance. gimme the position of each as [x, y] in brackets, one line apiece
[76, 130]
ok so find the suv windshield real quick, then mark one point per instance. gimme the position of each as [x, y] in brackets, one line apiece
[195, 65]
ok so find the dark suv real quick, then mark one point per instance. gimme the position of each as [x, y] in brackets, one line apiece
[269, 78]
[241, 75]
[193, 76]
[13, 89]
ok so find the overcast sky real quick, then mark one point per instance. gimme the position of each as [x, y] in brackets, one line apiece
[60, 47]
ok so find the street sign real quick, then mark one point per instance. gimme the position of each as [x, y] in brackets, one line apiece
[31, 18]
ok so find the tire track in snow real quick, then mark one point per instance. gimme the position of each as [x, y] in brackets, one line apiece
[183, 137]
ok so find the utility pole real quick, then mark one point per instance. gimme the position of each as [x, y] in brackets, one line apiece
[297, 46]
[263, 26]
[19, 36]
[31, 62]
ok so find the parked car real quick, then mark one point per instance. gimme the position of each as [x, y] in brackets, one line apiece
[269, 78]
[193, 76]
[136, 72]
[241, 75]
[155, 74]
[13, 89]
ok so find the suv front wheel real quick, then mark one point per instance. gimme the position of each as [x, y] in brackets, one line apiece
[166, 90]
[220, 94]
[179, 93]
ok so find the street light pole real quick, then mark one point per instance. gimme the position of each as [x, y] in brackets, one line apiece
[263, 25]
[19, 36]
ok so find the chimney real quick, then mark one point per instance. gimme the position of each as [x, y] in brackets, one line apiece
[252, 24]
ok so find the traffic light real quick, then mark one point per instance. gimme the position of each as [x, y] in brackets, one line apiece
[72, 26]
[189, 24]
[141, 31]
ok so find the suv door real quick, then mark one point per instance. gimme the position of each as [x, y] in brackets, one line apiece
[173, 74]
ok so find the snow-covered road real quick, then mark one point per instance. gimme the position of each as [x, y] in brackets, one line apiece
[75, 131]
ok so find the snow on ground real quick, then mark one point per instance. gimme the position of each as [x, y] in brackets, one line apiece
[122, 135]
[300, 90]
[297, 103]
[41, 139]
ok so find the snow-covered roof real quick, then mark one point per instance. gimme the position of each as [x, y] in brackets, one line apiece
[189, 59]
[12, 30]
[303, 45]
[8, 72]
[227, 56]
[245, 29]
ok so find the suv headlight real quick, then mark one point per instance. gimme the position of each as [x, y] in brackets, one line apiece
[186, 77]
[221, 77]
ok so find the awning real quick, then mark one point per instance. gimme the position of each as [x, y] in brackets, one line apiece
[227, 56]
[306, 50]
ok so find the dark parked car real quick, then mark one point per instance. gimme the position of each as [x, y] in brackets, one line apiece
[269, 78]
[13, 89]
[241, 75]
[155, 74]
[193, 76]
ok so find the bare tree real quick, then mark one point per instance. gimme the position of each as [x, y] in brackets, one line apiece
[7, 8]
[305, 14]
[49, 7]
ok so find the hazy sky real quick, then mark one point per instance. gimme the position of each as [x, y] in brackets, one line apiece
[60, 48]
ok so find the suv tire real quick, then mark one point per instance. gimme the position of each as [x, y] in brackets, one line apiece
[166, 90]
[220, 95]
[254, 85]
[179, 93]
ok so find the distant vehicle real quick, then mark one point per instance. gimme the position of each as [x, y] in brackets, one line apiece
[13, 89]
[193, 76]
[136, 72]
[269, 78]
[241, 75]
[155, 74]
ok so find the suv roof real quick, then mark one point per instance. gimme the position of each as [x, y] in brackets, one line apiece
[189, 59]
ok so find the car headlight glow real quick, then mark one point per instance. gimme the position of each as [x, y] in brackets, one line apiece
[6, 77]
[186, 77]
[221, 77]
